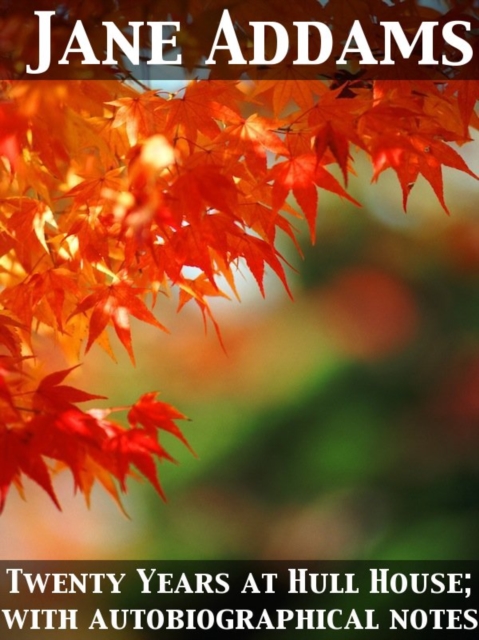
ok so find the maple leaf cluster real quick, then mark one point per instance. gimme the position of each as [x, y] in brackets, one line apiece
[93, 447]
[113, 195]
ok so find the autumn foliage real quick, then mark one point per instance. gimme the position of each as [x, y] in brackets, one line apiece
[113, 192]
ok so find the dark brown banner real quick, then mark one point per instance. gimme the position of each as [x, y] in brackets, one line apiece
[142, 599]
[233, 39]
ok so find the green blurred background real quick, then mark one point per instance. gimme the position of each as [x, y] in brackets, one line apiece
[344, 424]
